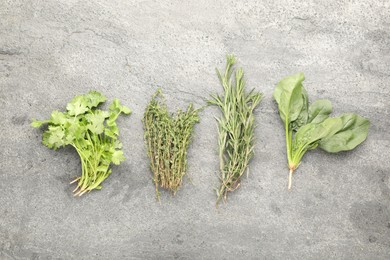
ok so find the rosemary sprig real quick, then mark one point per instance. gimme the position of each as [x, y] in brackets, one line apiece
[167, 138]
[235, 127]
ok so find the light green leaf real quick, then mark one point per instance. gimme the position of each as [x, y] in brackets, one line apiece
[117, 157]
[77, 106]
[118, 144]
[58, 118]
[109, 133]
[37, 123]
[103, 168]
[114, 129]
[94, 98]
[126, 110]
[115, 105]
[96, 121]
[54, 137]
[75, 130]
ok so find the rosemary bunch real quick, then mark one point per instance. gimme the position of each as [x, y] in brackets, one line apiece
[235, 127]
[167, 138]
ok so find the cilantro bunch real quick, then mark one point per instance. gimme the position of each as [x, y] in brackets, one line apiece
[92, 132]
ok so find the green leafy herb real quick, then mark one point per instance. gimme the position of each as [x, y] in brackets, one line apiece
[167, 138]
[235, 127]
[309, 126]
[92, 132]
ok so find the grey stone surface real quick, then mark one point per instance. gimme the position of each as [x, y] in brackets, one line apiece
[339, 207]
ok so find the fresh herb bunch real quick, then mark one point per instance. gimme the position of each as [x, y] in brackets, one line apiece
[309, 126]
[235, 127]
[92, 132]
[167, 138]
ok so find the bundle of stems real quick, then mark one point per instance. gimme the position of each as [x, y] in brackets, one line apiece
[235, 127]
[167, 138]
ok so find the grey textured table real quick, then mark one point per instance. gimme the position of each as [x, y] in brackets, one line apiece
[339, 207]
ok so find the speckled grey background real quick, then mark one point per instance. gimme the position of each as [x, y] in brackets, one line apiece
[339, 207]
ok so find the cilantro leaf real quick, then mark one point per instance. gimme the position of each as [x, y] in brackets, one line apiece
[94, 98]
[77, 106]
[96, 121]
[117, 157]
[36, 123]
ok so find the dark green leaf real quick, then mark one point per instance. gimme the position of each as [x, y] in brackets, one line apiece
[311, 133]
[319, 110]
[303, 115]
[288, 95]
[353, 132]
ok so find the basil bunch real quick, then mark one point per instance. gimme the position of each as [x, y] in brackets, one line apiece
[309, 126]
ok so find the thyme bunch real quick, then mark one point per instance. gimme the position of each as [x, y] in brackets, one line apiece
[167, 138]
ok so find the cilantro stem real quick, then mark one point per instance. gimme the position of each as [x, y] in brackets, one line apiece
[78, 178]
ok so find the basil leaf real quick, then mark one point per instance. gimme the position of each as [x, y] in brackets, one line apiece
[352, 133]
[319, 110]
